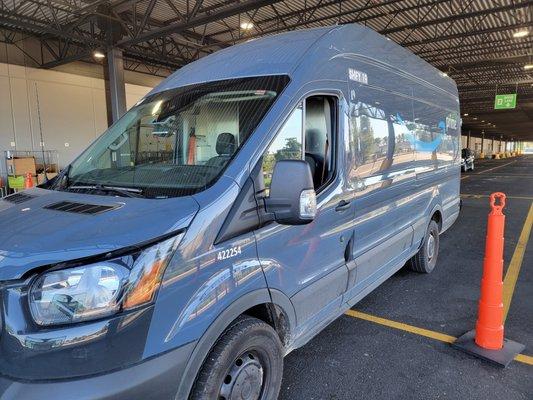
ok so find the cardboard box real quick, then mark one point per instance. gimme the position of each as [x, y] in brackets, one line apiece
[21, 166]
[40, 177]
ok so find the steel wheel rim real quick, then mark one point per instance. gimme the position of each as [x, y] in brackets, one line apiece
[244, 379]
[430, 246]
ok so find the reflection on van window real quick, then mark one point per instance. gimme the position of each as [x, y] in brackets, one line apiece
[286, 146]
[435, 130]
[383, 139]
[176, 142]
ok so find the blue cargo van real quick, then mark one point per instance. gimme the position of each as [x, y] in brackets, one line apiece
[226, 219]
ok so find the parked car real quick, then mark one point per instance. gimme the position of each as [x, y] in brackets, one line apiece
[226, 219]
[467, 160]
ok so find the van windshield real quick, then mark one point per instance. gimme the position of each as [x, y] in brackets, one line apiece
[176, 142]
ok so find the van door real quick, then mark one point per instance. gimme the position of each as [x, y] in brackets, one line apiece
[381, 123]
[307, 262]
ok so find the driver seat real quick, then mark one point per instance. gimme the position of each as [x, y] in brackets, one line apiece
[225, 148]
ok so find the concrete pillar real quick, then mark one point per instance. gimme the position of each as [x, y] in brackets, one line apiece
[468, 140]
[482, 155]
[115, 85]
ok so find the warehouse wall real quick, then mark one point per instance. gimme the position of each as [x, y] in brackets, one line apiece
[475, 144]
[72, 107]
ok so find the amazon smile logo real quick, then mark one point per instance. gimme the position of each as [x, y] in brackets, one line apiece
[422, 145]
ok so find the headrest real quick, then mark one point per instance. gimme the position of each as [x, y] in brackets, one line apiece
[225, 144]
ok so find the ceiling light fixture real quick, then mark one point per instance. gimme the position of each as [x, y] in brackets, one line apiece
[247, 25]
[98, 54]
[528, 66]
[465, 115]
[520, 34]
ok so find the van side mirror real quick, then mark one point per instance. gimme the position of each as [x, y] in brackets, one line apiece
[292, 199]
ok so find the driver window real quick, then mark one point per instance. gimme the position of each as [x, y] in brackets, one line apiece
[286, 146]
[319, 119]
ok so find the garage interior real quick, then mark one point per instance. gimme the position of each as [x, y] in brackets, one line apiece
[70, 68]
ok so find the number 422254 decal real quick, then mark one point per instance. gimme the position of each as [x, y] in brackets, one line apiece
[228, 253]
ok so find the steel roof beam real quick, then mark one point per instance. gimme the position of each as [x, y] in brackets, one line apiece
[352, 11]
[462, 16]
[393, 30]
[198, 20]
[468, 34]
[34, 27]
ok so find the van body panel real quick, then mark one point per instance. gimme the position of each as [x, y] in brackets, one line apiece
[307, 262]
[203, 278]
[153, 378]
[38, 236]
[74, 351]
[277, 55]
[213, 332]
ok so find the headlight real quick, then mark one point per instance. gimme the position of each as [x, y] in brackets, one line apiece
[100, 289]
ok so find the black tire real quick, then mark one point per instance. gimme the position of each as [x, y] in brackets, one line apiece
[425, 260]
[245, 363]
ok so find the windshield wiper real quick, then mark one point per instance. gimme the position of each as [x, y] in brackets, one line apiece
[123, 191]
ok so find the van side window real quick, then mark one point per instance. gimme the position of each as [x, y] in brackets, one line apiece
[383, 130]
[437, 126]
[286, 146]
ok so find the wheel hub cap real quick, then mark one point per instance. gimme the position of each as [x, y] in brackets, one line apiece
[244, 380]
[431, 247]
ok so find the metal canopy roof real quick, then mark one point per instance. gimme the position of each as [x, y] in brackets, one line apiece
[471, 40]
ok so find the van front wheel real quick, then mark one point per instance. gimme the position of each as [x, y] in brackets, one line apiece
[246, 363]
[425, 260]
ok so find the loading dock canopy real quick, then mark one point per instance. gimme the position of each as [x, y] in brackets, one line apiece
[482, 46]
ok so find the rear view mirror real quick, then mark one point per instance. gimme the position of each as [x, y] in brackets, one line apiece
[292, 199]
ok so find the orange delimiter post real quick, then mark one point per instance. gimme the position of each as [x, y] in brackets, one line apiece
[489, 326]
[28, 182]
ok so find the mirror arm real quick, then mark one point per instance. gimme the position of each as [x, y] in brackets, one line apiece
[264, 215]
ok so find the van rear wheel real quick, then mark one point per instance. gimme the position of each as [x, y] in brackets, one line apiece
[246, 363]
[425, 260]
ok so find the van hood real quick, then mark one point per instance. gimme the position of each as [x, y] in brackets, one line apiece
[35, 229]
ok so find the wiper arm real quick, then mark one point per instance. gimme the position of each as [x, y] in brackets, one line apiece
[125, 192]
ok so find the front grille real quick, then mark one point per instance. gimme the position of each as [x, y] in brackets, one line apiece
[81, 208]
[18, 198]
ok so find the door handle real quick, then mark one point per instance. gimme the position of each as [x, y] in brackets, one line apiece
[343, 205]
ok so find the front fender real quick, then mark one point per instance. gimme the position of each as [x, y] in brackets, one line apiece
[206, 342]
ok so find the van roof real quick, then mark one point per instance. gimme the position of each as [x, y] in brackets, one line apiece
[282, 54]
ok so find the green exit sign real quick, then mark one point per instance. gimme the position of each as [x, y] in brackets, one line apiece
[505, 101]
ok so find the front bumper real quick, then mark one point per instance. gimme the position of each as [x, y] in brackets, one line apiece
[156, 378]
